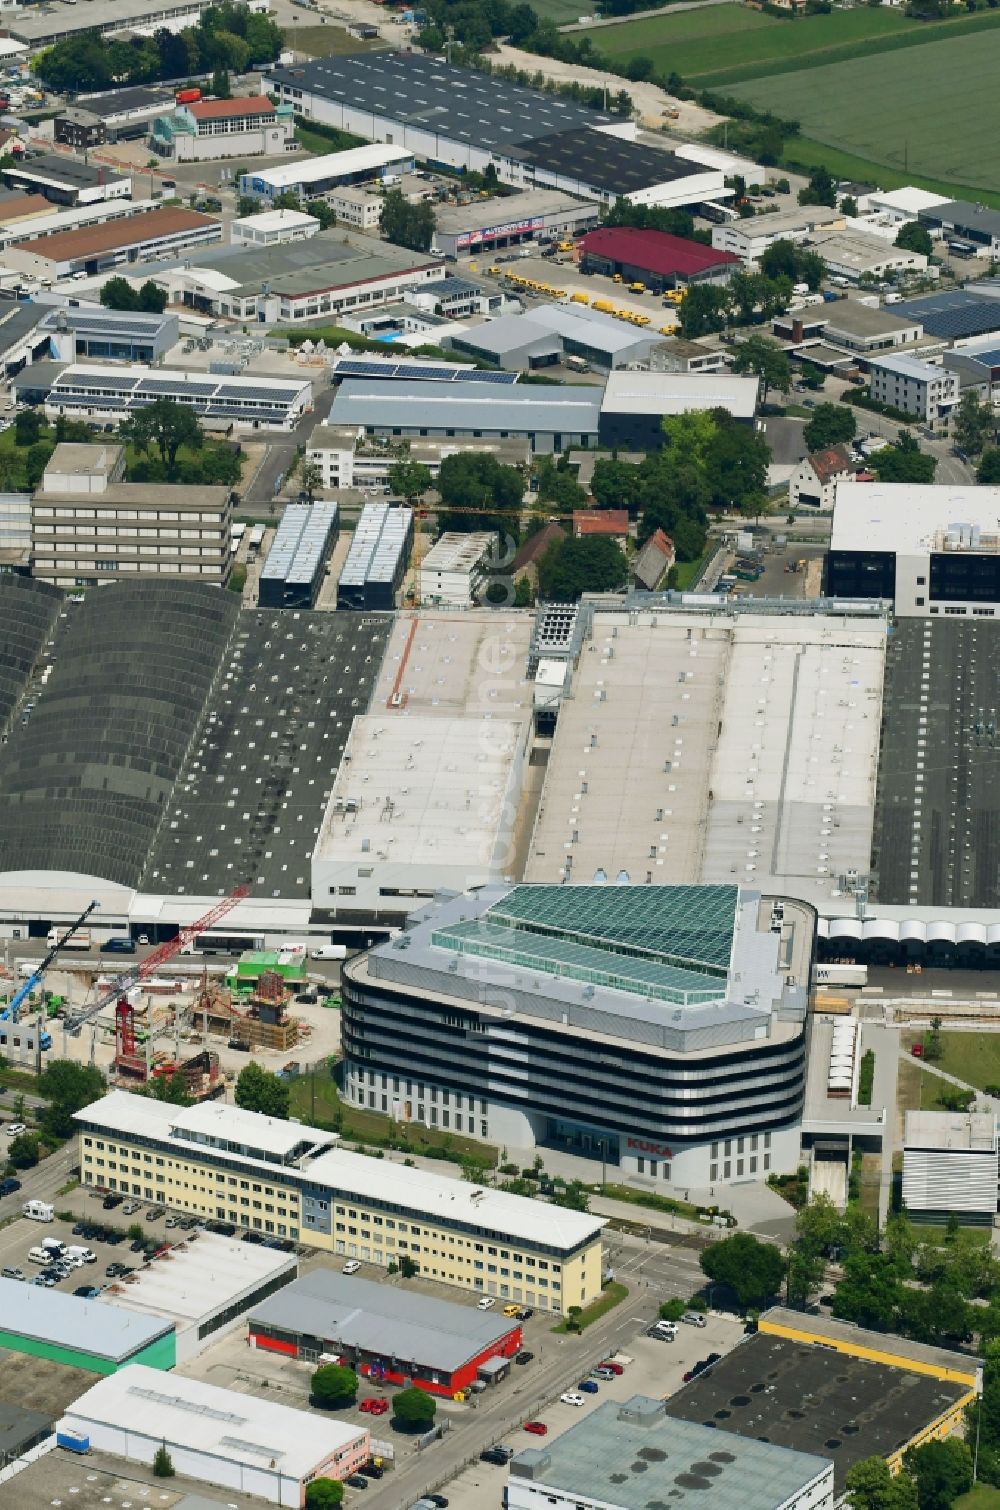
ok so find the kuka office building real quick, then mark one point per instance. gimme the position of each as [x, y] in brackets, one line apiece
[657, 1028]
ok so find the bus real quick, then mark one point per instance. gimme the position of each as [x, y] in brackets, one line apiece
[963, 249]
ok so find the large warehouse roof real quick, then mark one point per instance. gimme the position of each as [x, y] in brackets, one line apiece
[376, 1318]
[679, 393]
[902, 517]
[185, 1413]
[332, 165]
[603, 161]
[655, 251]
[953, 314]
[97, 240]
[330, 259]
[430, 95]
[468, 406]
[84, 785]
[69, 1321]
[28, 610]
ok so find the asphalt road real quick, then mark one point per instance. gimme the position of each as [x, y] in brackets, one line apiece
[281, 453]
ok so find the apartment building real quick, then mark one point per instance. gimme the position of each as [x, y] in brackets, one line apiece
[89, 526]
[289, 1180]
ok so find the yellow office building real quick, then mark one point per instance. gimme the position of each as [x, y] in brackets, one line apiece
[284, 1179]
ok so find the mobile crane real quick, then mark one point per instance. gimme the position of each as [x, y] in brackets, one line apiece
[10, 1012]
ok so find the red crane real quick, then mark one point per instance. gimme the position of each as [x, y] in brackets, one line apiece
[122, 984]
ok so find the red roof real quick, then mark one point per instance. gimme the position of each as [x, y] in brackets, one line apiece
[600, 522]
[654, 251]
[213, 110]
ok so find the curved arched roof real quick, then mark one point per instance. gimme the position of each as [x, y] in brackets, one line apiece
[28, 611]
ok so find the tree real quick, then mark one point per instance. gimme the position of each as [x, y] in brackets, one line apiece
[871, 1486]
[821, 189]
[736, 466]
[942, 1471]
[164, 425]
[414, 1409]
[870, 1292]
[933, 1047]
[118, 293]
[830, 425]
[615, 484]
[27, 427]
[150, 299]
[557, 485]
[405, 224]
[172, 1089]
[914, 237]
[524, 596]
[409, 479]
[333, 1385]
[473, 485]
[786, 259]
[849, 206]
[752, 295]
[310, 478]
[904, 462]
[767, 360]
[819, 1228]
[23, 1150]
[972, 424]
[324, 1494]
[673, 1309]
[67, 1087]
[408, 1267]
[220, 85]
[703, 310]
[571, 567]
[804, 1277]
[257, 1090]
[988, 471]
[163, 1463]
[751, 1269]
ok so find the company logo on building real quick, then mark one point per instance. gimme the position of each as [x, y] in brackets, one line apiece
[640, 1145]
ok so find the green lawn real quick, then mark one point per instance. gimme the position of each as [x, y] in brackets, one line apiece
[326, 41]
[612, 1295]
[314, 1098]
[562, 12]
[972, 1057]
[888, 122]
[803, 154]
[688, 572]
[982, 1497]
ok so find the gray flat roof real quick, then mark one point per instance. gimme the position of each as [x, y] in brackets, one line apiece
[69, 1321]
[483, 215]
[964, 215]
[859, 319]
[330, 259]
[39, 25]
[431, 95]
[635, 1455]
[600, 160]
[377, 1318]
[468, 406]
[53, 168]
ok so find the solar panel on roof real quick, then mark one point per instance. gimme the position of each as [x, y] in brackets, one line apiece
[482, 376]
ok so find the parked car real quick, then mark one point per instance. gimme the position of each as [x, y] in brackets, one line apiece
[138, 1245]
[373, 1406]
[572, 1398]
[87, 1292]
[9, 1185]
[614, 1368]
[524, 1356]
[45, 1281]
[154, 1213]
[173, 1221]
[111, 1201]
[693, 1318]
[437, 1499]
[14, 1273]
[589, 1386]
[371, 1469]
[501, 1456]
[14, 1129]
[525, 1313]
[537, 1428]
[118, 946]
[486, 1302]
[130, 1207]
[356, 1481]
[603, 1373]
[351, 1267]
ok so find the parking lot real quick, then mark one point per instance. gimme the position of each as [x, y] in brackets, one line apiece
[565, 274]
[113, 1246]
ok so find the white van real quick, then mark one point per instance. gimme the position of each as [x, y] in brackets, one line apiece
[39, 1256]
[87, 1255]
[800, 288]
[329, 951]
[38, 1211]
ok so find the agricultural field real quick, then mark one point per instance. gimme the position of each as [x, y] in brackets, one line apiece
[725, 44]
[877, 108]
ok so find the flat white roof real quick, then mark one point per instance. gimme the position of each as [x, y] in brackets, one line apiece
[908, 367]
[715, 748]
[908, 201]
[276, 220]
[440, 670]
[678, 393]
[332, 165]
[200, 1278]
[422, 790]
[951, 1132]
[456, 552]
[187, 1413]
[900, 516]
[448, 1200]
[207, 1123]
[859, 250]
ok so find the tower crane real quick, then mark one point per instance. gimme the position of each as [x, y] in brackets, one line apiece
[122, 984]
[10, 1011]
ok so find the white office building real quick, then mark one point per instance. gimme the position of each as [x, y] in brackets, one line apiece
[273, 228]
[922, 389]
[749, 239]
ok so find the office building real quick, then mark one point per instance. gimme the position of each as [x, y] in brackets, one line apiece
[635, 403]
[749, 239]
[288, 1180]
[88, 526]
[216, 1436]
[858, 254]
[455, 569]
[631, 1456]
[313, 177]
[899, 205]
[207, 130]
[377, 559]
[359, 208]
[926, 391]
[118, 243]
[931, 550]
[67, 180]
[348, 459]
[79, 129]
[124, 114]
[439, 112]
[107, 393]
[273, 228]
[296, 563]
[90, 333]
[950, 1166]
[386, 1335]
[533, 1000]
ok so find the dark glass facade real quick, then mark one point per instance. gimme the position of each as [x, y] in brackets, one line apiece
[860, 574]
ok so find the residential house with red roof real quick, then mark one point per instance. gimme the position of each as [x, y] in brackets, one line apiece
[814, 482]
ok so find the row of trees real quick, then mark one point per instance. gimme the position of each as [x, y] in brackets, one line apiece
[227, 37]
[118, 293]
[748, 297]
